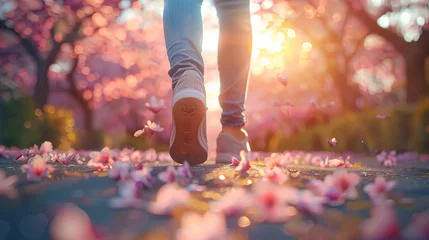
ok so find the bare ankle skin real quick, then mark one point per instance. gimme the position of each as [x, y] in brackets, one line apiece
[237, 132]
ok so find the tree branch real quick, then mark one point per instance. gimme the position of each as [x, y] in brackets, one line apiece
[372, 26]
[26, 43]
[357, 47]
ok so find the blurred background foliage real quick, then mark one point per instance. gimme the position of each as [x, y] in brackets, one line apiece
[404, 129]
[23, 125]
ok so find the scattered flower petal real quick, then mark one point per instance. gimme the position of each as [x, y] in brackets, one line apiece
[168, 197]
[210, 226]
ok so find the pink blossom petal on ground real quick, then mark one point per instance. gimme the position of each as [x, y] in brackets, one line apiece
[121, 171]
[383, 224]
[8, 185]
[196, 227]
[229, 205]
[98, 166]
[143, 176]
[45, 148]
[234, 161]
[424, 157]
[128, 196]
[378, 190]
[72, 223]
[184, 170]
[168, 197]
[37, 169]
[243, 166]
[309, 204]
[169, 175]
[335, 163]
[382, 116]
[276, 174]
[271, 201]
[418, 227]
[347, 163]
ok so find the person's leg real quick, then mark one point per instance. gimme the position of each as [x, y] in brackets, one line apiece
[183, 32]
[234, 53]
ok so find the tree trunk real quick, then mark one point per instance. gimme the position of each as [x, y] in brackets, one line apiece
[41, 90]
[348, 93]
[417, 87]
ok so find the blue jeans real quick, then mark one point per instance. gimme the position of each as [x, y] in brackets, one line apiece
[183, 32]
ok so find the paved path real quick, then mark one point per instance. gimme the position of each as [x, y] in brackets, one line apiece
[29, 216]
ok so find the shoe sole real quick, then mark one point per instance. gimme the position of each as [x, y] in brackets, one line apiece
[188, 116]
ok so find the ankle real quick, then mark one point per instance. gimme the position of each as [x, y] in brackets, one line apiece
[237, 132]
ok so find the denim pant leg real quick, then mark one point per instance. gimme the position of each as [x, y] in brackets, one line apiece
[183, 33]
[234, 53]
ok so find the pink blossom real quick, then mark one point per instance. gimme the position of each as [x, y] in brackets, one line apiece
[255, 157]
[332, 163]
[149, 129]
[308, 203]
[143, 177]
[139, 132]
[283, 79]
[164, 157]
[383, 224]
[121, 171]
[37, 169]
[45, 148]
[378, 190]
[150, 155]
[210, 226]
[103, 157]
[136, 157]
[317, 160]
[276, 160]
[346, 181]
[97, 166]
[234, 161]
[387, 159]
[155, 105]
[418, 228]
[347, 163]
[67, 159]
[72, 223]
[383, 116]
[336, 188]
[229, 205]
[168, 197]
[128, 196]
[184, 170]
[424, 157]
[169, 175]
[244, 164]
[274, 175]
[7, 185]
[333, 195]
[316, 186]
[332, 142]
[272, 200]
[194, 187]
[123, 156]
[26, 154]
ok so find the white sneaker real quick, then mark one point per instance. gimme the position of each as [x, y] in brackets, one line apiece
[188, 140]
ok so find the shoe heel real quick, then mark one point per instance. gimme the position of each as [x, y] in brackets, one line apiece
[188, 116]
